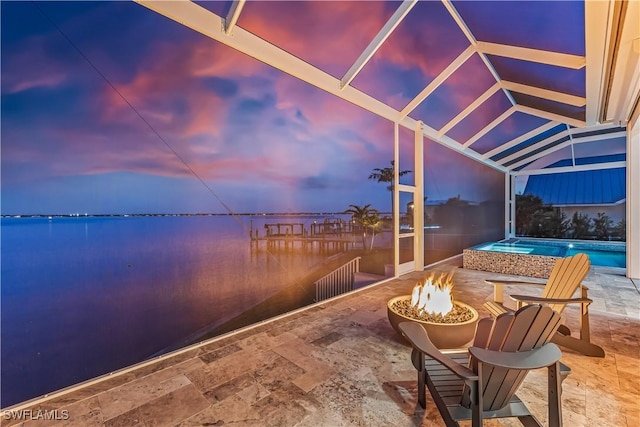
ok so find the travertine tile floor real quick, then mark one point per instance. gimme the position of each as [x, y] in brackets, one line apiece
[341, 364]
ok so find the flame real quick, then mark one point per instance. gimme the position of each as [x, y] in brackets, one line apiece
[434, 296]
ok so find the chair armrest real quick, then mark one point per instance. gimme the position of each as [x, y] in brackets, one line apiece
[419, 339]
[532, 299]
[498, 287]
[513, 283]
[540, 357]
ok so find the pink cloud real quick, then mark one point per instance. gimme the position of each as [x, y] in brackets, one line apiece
[172, 70]
[259, 169]
[317, 31]
[49, 81]
[112, 138]
[175, 65]
[30, 65]
[78, 150]
[327, 113]
[210, 58]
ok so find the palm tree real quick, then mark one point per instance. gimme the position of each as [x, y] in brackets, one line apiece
[367, 218]
[387, 175]
[373, 222]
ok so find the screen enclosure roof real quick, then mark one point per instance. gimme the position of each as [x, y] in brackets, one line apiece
[517, 85]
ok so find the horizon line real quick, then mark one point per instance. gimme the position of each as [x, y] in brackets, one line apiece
[87, 215]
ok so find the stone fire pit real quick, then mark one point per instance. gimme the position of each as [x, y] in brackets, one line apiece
[448, 327]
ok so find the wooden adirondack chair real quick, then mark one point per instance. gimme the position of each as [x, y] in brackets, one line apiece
[567, 275]
[481, 382]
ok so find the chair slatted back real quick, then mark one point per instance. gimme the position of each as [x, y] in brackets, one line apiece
[530, 327]
[566, 276]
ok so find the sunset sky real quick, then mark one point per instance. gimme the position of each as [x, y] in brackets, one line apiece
[112, 108]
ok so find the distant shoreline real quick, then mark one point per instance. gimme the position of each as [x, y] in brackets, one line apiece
[75, 215]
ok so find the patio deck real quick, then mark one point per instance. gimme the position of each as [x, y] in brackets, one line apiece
[341, 364]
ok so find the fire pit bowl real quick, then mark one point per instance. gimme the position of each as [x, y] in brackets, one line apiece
[442, 335]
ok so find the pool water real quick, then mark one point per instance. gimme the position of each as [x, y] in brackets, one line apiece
[600, 254]
[603, 258]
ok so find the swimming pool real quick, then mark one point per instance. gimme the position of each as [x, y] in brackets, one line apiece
[536, 257]
[604, 254]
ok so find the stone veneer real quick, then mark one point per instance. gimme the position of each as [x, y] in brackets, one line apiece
[509, 263]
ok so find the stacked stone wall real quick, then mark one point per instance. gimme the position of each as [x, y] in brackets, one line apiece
[509, 263]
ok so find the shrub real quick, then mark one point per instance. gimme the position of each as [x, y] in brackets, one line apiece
[580, 225]
[601, 225]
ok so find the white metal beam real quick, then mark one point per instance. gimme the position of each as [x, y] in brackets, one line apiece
[472, 39]
[541, 154]
[502, 117]
[563, 169]
[396, 200]
[574, 140]
[595, 127]
[565, 98]
[550, 116]
[507, 205]
[624, 85]
[418, 197]
[512, 205]
[597, 20]
[377, 41]
[233, 15]
[533, 55]
[579, 140]
[464, 113]
[405, 187]
[451, 68]
[573, 151]
[545, 127]
[432, 134]
[633, 195]
[531, 148]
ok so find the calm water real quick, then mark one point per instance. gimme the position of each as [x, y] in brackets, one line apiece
[82, 297]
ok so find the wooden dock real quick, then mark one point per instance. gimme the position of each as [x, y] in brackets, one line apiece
[328, 236]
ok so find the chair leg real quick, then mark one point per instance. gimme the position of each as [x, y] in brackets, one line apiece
[584, 347]
[585, 330]
[498, 293]
[530, 421]
[476, 399]
[422, 386]
[564, 373]
[422, 390]
[554, 395]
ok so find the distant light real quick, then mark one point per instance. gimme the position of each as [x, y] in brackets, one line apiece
[570, 245]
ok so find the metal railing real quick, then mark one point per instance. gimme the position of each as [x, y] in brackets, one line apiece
[339, 281]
